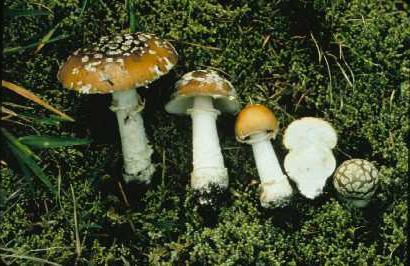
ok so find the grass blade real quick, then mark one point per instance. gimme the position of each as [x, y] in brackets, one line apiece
[12, 13]
[46, 39]
[16, 49]
[51, 120]
[31, 96]
[29, 258]
[14, 141]
[131, 15]
[77, 233]
[20, 152]
[44, 142]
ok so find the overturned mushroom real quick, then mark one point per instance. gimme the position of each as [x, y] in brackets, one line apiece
[356, 181]
[119, 65]
[256, 125]
[310, 160]
[203, 95]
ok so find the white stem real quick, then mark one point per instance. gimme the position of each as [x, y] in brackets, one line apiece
[135, 148]
[208, 164]
[276, 189]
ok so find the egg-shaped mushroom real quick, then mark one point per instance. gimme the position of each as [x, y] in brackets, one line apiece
[356, 181]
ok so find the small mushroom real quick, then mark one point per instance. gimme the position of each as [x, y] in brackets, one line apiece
[203, 95]
[310, 160]
[356, 181]
[256, 125]
[118, 65]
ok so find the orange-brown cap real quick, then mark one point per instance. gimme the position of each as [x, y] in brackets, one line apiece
[203, 83]
[119, 63]
[255, 118]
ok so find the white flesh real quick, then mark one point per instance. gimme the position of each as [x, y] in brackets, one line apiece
[309, 168]
[309, 131]
[208, 163]
[135, 148]
[276, 189]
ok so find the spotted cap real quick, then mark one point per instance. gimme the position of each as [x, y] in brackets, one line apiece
[255, 118]
[203, 83]
[119, 63]
[356, 181]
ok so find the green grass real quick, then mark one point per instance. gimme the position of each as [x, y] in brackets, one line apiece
[348, 63]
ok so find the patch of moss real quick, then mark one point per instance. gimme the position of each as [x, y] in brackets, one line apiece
[344, 61]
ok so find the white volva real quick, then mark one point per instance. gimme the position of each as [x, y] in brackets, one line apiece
[276, 189]
[208, 163]
[135, 148]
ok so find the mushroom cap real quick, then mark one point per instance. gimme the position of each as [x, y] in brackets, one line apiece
[309, 168]
[253, 119]
[203, 83]
[118, 63]
[356, 180]
[307, 131]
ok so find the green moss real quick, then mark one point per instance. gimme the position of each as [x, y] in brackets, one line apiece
[346, 62]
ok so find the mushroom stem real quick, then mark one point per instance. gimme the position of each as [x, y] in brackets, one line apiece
[208, 164]
[135, 148]
[276, 189]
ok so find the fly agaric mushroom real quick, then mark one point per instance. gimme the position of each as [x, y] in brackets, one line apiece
[356, 181]
[256, 125]
[203, 95]
[119, 65]
[310, 160]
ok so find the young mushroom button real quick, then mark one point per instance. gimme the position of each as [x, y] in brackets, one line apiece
[256, 125]
[356, 181]
[203, 95]
[310, 160]
[119, 65]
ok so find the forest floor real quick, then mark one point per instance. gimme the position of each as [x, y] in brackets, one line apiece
[345, 61]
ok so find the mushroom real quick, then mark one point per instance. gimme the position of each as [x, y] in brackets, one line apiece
[356, 181]
[310, 160]
[118, 65]
[203, 95]
[256, 125]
